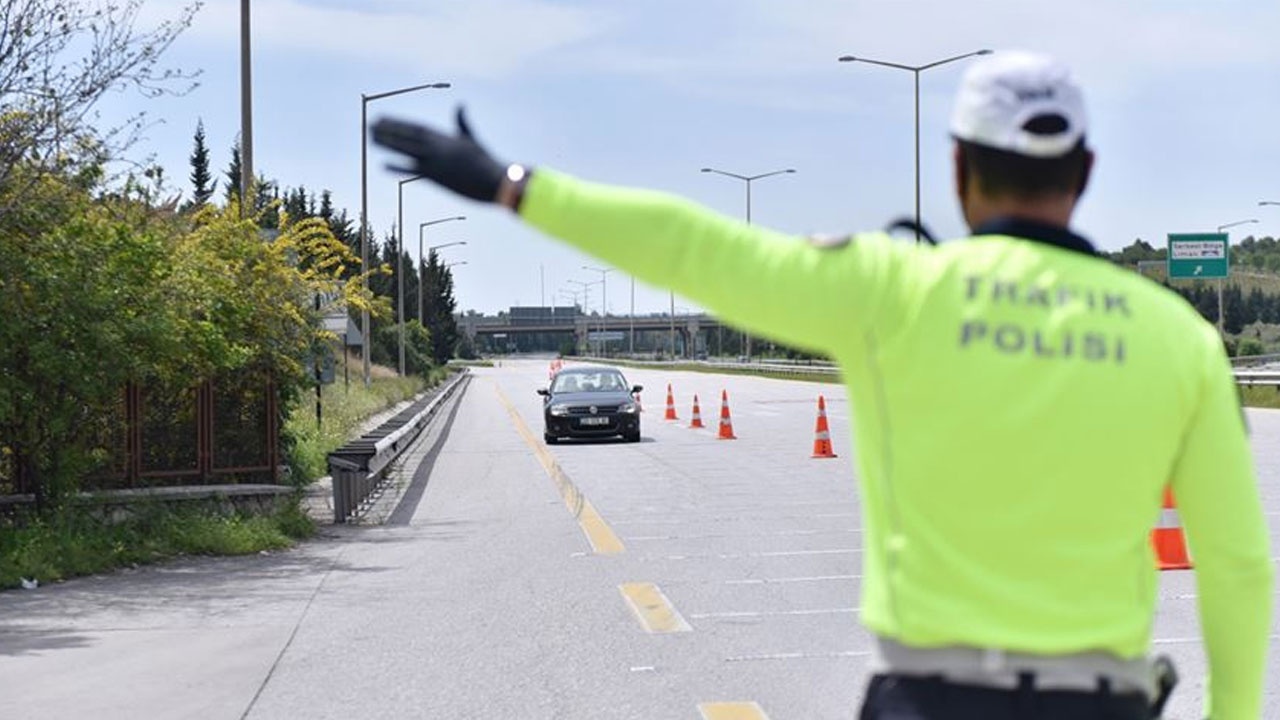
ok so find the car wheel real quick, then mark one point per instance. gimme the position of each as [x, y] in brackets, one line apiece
[633, 437]
[550, 439]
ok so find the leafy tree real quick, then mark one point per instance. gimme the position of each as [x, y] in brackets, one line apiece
[1139, 250]
[58, 58]
[83, 294]
[202, 183]
[114, 289]
[253, 300]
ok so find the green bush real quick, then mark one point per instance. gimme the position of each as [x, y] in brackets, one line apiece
[73, 542]
[1250, 346]
[343, 408]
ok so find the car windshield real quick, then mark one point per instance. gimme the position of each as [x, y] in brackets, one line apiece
[603, 381]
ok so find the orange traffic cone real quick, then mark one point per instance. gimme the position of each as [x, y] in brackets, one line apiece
[821, 433]
[1166, 538]
[697, 415]
[671, 405]
[726, 424]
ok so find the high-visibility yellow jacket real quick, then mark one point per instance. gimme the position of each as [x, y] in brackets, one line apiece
[1019, 406]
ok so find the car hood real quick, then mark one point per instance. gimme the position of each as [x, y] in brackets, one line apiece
[592, 398]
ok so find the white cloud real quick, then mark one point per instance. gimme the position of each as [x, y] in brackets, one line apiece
[457, 39]
[776, 54]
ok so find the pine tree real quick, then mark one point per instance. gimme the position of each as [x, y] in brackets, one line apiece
[264, 193]
[202, 183]
[232, 173]
[440, 306]
[326, 206]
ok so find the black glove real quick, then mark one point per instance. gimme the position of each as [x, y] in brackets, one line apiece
[455, 162]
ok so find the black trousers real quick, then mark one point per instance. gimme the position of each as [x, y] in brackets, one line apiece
[901, 697]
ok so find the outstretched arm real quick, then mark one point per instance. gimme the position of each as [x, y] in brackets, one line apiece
[816, 296]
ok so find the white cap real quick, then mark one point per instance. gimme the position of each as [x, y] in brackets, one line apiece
[1001, 94]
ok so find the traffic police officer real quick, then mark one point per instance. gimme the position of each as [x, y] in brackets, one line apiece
[1021, 405]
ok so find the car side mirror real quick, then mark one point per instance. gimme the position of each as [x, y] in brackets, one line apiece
[544, 392]
[636, 388]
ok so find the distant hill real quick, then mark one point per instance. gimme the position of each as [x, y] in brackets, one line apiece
[1246, 280]
[1251, 294]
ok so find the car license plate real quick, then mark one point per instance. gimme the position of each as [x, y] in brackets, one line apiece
[594, 421]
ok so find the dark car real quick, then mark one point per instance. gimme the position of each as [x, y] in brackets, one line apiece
[590, 402]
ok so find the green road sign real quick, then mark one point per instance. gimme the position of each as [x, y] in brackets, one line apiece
[1195, 256]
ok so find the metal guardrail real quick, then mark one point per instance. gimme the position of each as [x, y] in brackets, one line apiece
[1242, 375]
[1244, 361]
[790, 367]
[357, 467]
[1251, 378]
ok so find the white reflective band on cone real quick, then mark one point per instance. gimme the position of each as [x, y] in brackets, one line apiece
[1168, 519]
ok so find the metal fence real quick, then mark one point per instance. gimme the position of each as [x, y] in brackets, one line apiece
[224, 431]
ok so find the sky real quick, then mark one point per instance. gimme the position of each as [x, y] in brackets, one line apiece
[1183, 99]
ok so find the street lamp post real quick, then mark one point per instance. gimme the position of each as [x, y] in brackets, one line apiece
[422, 268]
[915, 70]
[672, 296]
[365, 99]
[400, 261]
[747, 179]
[586, 302]
[1221, 281]
[1238, 222]
[604, 301]
[246, 111]
[570, 295]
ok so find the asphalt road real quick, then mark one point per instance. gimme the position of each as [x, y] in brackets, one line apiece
[681, 577]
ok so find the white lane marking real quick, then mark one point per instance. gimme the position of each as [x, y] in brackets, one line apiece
[779, 533]
[704, 519]
[772, 613]
[800, 656]
[769, 581]
[644, 668]
[779, 553]
[1188, 640]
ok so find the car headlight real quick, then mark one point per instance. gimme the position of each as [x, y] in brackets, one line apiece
[628, 408]
[559, 409]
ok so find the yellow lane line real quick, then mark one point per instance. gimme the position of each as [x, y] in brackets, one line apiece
[654, 611]
[731, 711]
[599, 534]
